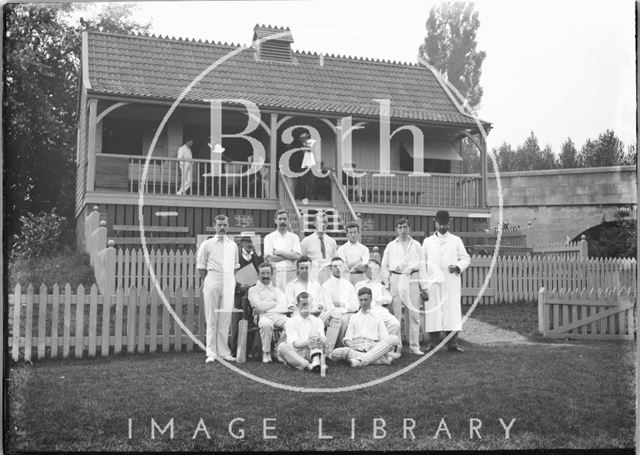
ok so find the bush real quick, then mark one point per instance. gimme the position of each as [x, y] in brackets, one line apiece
[74, 270]
[612, 239]
[40, 235]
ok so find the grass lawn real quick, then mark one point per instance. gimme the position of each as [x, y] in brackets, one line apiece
[519, 317]
[563, 395]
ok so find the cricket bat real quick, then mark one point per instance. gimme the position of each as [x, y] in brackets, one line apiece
[332, 334]
[241, 352]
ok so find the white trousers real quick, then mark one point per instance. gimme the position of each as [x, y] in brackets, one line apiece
[378, 349]
[299, 358]
[218, 295]
[186, 176]
[399, 292]
[267, 322]
[391, 323]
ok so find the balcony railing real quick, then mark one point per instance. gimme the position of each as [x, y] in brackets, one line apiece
[433, 190]
[164, 176]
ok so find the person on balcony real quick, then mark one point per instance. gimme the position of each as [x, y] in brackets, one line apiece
[354, 254]
[305, 338]
[217, 260]
[447, 252]
[342, 294]
[185, 164]
[320, 248]
[215, 168]
[366, 340]
[282, 249]
[403, 269]
[270, 304]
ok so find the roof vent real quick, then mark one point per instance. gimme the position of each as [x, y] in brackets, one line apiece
[276, 49]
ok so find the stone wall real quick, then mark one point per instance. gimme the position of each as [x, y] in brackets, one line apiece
[556, 205]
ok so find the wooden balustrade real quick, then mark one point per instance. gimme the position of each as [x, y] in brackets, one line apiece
[341, 201]
[164, 176]
[405, 188]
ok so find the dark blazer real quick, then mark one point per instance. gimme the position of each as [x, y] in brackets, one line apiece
[256, 259]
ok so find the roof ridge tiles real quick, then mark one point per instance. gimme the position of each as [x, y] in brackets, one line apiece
[205, 42]
[153, 36]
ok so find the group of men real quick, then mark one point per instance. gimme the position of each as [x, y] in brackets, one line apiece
[312, 288]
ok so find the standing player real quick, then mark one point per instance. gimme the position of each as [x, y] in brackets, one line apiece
[354, 254]
[217, 260]
[447, 252]
[282, 250]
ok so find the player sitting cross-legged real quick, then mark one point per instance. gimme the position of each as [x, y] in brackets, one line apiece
[366, 340]
[305, 339]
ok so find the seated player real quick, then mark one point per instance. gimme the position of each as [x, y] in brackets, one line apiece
[367, 340]
[268, 301]
[319, 302]
[381, 299]
[342, 294]
[305, 339]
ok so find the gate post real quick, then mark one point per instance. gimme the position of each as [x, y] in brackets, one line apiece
[542, 324]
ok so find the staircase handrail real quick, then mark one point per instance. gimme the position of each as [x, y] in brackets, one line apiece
[345, 209]
[288, 203]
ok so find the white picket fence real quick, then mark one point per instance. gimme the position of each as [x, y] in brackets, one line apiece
[598, 314]
[61, 322]
[514, 279]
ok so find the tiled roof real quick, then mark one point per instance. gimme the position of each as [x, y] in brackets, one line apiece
[161, 68]
[262, 31]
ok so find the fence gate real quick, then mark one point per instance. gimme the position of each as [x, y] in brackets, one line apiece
[587, 315]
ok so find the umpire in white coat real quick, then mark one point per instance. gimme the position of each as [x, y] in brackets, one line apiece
[443, 312]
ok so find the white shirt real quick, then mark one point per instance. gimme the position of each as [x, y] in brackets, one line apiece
[353, 252]
[184, 152]
[267, 298]
[380, 296]
[311, 247]
[407, 256]
[219, 254]
[342, 294]
[246, 256]
[287, 242]
[298, 328]
[319, 297]
[365, 325]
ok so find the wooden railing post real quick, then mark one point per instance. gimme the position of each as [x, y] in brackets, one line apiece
[92, 222]
[542, 324]
[110, 269]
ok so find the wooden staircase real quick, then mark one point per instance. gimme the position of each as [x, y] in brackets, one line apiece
[334, 227]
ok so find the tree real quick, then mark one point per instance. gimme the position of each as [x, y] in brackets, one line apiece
[547, 159]
[470, 158]
[450, 46]
[42, 54]
[506, 158]
[631, 157]
[568, 158]
[607, 150]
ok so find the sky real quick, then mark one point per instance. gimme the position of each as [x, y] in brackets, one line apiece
[559, 68]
